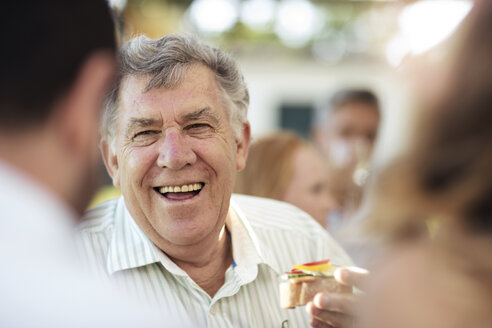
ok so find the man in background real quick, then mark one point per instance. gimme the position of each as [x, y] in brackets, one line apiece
[345, 130]
[56, 62]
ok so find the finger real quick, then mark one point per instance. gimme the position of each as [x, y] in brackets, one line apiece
[334, 302]
[351, 276]
[318, 321]
[315, 323]
[324, 318]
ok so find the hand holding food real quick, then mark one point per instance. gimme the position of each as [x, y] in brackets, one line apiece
[303, 282]
[338, 310]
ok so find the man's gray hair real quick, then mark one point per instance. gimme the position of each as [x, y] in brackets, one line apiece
[165, 61]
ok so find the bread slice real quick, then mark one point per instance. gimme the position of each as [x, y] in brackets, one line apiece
[299, 291]
[310, 288]
[290, 291]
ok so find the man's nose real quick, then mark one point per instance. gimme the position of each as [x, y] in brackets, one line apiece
[175, 152]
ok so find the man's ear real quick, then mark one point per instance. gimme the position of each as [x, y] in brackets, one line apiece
[111, 162]
[243, 147]
[78, 113]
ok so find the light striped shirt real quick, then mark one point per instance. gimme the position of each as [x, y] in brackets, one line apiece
[268, 237]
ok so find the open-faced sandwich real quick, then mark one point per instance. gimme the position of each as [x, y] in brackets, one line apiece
[304, 281]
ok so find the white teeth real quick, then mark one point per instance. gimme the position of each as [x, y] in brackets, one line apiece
[183, 188]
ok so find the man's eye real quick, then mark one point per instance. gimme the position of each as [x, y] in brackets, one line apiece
[198, 126]
[144, 133]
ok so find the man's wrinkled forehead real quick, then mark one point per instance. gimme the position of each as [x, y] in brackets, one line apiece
[133, 85]
[197, 92]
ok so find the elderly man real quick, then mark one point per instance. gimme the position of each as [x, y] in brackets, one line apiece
[174, 136]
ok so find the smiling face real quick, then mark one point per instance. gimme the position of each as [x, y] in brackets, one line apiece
[176, 158]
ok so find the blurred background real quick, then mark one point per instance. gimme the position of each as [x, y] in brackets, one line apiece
[296, 53]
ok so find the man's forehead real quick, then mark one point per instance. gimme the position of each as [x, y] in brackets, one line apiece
[141, 107]
[195, 76]
[183, 99]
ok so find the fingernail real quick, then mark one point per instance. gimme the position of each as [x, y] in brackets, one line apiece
[309, 307]
[320, 300]
[358, 270]
[341, 275]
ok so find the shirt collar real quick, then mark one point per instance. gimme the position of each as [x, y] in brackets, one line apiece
[248, 250]
[131, 248]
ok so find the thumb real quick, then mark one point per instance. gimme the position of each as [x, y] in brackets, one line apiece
[351, 276]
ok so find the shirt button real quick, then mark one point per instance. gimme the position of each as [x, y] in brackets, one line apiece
[213, 309]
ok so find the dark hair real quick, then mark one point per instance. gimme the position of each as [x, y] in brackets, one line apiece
[346, 96]
[44, 44]
[340, 98]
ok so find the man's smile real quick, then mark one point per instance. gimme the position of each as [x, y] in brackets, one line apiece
[180, 192]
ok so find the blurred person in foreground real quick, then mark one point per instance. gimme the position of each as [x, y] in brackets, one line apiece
[445, 281]
[55, 69]
[345, 130]
[174, 137]
[283, 166]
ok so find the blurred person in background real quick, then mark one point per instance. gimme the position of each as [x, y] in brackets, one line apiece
[345, 130]
[284, 167]
[54, 71]
[446, 176]
[174, 137]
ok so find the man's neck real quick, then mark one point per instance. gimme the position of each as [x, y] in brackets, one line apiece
[32, 153]
[209, 272]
